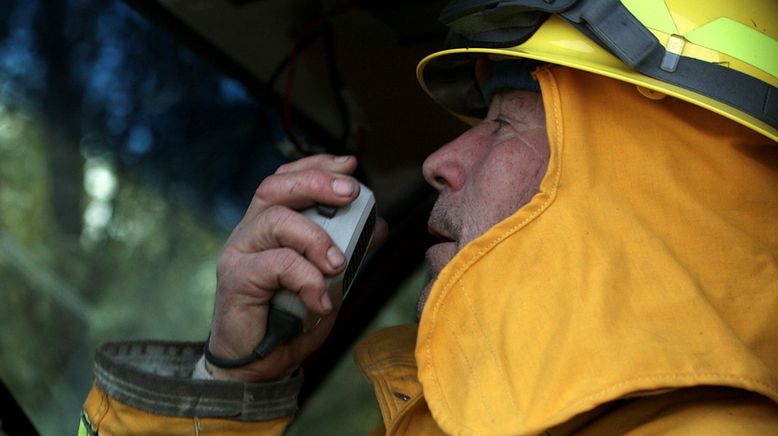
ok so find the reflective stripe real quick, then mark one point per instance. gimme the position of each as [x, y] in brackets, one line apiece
[84, 427]
[609, 23]
[723, 35]
[653, 14]
[739, 41]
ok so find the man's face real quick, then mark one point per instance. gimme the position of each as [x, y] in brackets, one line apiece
[486, 174]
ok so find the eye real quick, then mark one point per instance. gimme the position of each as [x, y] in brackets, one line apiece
[499, 124]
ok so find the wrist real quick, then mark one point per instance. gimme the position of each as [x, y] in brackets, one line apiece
[231, 374]
[205, 371]
[251, 368]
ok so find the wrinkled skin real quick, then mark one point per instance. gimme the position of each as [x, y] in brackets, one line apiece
[272, 247]
[482, 177]
[486, 174]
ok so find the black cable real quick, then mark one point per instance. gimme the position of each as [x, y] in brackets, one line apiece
[281, 327]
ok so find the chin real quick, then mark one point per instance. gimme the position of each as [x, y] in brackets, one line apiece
[440, 254]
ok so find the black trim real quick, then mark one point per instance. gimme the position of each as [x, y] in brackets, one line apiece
[13, 420]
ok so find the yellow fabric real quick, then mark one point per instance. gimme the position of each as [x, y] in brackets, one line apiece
[647, 262]
[645, 271]
[705, 411]
[109, 416]
[387, 362]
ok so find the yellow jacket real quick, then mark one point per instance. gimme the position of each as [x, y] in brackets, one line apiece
[637, 291]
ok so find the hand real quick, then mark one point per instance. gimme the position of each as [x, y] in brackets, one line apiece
[276, 247]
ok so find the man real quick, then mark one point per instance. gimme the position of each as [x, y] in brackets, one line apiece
[608, 258]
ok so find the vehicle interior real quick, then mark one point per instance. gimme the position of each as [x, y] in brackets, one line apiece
[132, 137]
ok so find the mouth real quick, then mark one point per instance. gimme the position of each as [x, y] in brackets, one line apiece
[440, 253]
[440, 235]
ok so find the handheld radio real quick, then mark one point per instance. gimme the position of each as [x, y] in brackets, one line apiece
[351, 229]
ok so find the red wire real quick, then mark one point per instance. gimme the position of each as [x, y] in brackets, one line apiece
[309, 28]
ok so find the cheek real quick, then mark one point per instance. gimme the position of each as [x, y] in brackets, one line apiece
[506, 180]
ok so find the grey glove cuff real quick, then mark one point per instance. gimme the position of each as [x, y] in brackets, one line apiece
[157, 377]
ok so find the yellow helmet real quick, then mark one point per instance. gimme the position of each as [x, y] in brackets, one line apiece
[720, 55]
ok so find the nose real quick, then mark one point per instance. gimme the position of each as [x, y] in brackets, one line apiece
[445, 167]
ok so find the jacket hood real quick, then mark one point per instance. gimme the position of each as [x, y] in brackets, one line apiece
[648, 261]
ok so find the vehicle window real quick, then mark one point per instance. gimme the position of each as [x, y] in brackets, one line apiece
[124, 162]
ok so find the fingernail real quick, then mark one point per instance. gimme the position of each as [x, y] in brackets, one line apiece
[342, 158]
[343, 187]
[335, 257]
[326, 304]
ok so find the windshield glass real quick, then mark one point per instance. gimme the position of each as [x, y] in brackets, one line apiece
[124, 162]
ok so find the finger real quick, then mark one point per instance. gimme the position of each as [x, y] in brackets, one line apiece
[324, 162]
[279, 227]
[284, 268]
[251, 280]
[246, 285]
[301, 189]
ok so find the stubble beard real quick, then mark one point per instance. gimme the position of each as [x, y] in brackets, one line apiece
[443, 219]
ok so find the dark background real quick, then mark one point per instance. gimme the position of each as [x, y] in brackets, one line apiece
[132, 136]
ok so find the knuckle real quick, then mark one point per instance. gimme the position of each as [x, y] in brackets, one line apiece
[289, 261]
[225, 264]
[285, 167]
[226, 277]
[263, 190]
[320, 240]
[305, 276]
[288, 186]
[299, 184]
[296, 186]
[274, 218]
[321, 181]
[222, 267]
